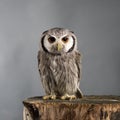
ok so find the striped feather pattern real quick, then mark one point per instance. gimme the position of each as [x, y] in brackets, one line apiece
[60, 74]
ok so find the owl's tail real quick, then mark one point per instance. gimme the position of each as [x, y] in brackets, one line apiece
[79, 93]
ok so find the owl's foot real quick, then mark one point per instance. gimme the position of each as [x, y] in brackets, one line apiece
[47, 97]
[68, 97]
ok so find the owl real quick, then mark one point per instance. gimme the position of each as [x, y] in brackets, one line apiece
[59, 64]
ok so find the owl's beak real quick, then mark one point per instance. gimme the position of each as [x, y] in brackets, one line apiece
[59, 46]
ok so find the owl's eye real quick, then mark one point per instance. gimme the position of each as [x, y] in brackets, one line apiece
[65, 39]
[51, 39]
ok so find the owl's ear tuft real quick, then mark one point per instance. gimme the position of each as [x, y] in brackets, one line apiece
[45, 32]
[72, 32]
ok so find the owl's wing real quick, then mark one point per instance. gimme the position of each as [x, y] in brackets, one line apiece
[38, 57]
[78, 63]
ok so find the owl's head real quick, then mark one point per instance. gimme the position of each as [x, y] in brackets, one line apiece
[58, 41]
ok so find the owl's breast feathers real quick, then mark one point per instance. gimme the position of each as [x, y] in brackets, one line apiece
[60, 71]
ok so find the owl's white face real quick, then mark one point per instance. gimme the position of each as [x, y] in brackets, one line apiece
[62, 41]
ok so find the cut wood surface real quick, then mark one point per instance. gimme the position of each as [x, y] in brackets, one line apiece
[87, 108]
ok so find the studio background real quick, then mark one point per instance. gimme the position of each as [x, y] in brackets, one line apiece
[96, 24]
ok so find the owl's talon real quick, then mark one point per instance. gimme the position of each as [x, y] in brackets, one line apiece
[72, 97]
[47, 97]
[68, 97]
[53, 97]
[63, 97]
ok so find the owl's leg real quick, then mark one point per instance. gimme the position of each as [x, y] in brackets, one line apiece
[52, 96]
[68, 97]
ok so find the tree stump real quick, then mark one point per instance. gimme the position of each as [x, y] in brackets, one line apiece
[87, 108]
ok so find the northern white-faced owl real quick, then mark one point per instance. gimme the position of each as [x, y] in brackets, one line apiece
[59, 64]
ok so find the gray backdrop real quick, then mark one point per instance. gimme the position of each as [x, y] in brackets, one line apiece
[97, 26]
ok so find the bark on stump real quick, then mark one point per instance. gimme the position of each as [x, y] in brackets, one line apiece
[87, 108]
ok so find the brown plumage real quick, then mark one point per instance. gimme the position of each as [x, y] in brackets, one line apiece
[60, 70]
